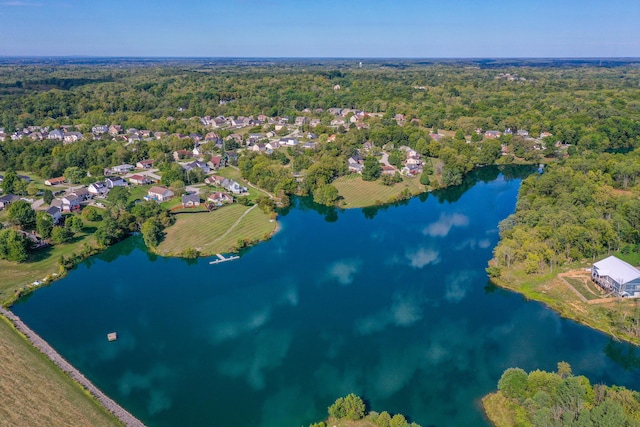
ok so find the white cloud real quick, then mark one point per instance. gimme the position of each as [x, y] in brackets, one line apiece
[423, 257]
[264, 354]
[20, 4]
[344, 271]
[458, 284]
[444, 224]
[404, 311]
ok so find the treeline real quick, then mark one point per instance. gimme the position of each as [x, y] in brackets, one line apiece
[589, 107]
[555, 399]
[583, 207]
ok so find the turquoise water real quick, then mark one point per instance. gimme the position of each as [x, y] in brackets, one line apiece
[392, 304]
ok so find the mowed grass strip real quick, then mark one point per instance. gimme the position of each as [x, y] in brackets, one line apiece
[358, 193]
[214, 232]
[33, 392]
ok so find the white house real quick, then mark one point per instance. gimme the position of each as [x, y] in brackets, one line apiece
[159, 193]
[618, 276]
[115, 182]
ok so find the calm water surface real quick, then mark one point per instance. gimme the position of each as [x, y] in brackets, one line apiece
[391, 304]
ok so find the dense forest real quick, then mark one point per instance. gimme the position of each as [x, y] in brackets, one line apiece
[542, 399]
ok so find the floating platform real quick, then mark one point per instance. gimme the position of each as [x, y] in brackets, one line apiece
[221, 258]
[112, 336]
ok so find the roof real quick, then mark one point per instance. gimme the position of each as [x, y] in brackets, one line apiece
[190, 198]
[617, 269]
[158, 189]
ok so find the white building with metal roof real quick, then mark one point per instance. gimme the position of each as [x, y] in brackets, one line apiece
[618, 276]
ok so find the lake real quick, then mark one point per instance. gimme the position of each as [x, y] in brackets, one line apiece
[390, 303]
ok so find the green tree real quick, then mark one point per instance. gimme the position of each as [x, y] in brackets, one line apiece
[61, 235]
[424, 178]
[91, 213]
[119, 196]
[372, 169]
[74, 174]
[513, 383]
[47, 196]
[9, 182]
[32, 189]
[326, 195]
[44, 224]
[14, 246]
[108, 232]
[350, 407]
[151, 233]
[74, 223]
[21, 213]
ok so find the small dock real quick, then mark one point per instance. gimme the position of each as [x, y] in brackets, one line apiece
[112, 336]
[221, 258]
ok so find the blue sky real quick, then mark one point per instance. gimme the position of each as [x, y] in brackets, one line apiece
[321, 28]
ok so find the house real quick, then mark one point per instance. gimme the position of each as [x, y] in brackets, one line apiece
[55, 213]
[411, 170]
[254, 138]
[122, 169]
[311, 135]
[231, 157]
[215, 180]
[367, 146]
[98, 188]
[315, 122]
[388, 170]
[56, 134]
[435, 136]
[70, 137]
[7, 199]
[356, 167]
[292, 142]
[356, 158]
[617, 276]
[492, 134]
[300, 121]
[115, 130]
[70, 203]
[55, 181]
[234, 187]
[220, 198]
[309, 145]
[82, 193]
[272, 145]
[145, 164]
[216, 162]
[197, 164]
[190, 200]
[413, 160]
[211, 137]
[115, 182]
[140, 179]
[261, 148]
[159, 193]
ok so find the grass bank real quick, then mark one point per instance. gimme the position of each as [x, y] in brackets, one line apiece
[34, 392]
[216, 232]
[42, 263]
[613, 316]
[357, 193]
[499, 410]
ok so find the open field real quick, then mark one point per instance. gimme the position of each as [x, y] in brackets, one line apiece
[217, 231]
[42, 263]
[358, 193]
[33, 392]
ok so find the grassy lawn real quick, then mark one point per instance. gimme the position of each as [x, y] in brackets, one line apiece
[34, 392]
[235, 175]
[42, 263]
[138, 192]
[217, 231]
[587, 288]
[358, 193]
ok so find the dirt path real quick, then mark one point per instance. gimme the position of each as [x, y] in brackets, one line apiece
[234, 225]
[122, 414]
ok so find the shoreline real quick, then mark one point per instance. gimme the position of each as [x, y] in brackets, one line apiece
[124, 416]
[503, 284]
